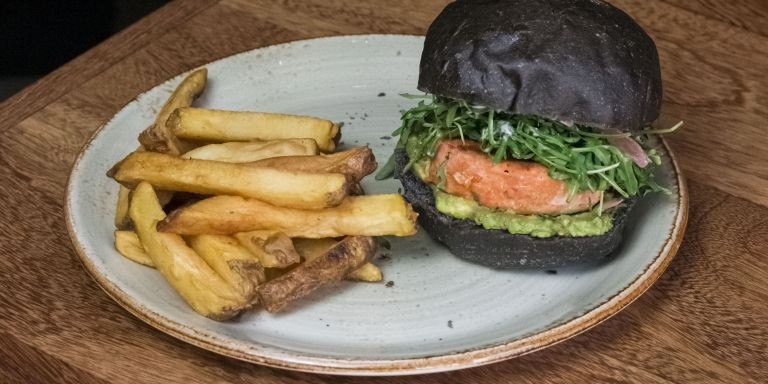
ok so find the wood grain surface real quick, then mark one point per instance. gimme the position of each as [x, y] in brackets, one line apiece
[705, 320]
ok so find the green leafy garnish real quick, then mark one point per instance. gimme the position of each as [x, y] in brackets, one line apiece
[578, 155]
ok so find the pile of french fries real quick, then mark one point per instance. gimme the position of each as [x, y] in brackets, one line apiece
[236, 209]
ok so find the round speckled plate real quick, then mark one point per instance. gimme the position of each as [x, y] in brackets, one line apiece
[439, 313]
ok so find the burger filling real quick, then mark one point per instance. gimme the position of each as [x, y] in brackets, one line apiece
[524, 174]
[459, 194]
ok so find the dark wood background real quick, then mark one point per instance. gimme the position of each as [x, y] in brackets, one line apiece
[706, 320]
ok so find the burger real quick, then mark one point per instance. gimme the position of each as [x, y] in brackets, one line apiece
[531, 143]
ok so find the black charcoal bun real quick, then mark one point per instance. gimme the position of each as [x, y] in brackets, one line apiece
[576, 61]
[501, 249]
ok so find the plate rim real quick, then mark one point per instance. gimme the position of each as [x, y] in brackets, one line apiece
[273, 357]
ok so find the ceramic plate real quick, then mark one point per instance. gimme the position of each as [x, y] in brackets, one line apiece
[439, 313]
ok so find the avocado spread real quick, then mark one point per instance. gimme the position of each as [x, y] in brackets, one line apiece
[574, 225]
[577, 224]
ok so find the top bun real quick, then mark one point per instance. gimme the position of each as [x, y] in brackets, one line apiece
[575, 61]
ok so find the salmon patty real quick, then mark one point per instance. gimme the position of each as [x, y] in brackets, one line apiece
[521, 186]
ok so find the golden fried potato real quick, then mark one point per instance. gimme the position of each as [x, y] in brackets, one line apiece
[356, 190]
[373, 215]
[281, 188]
[273, 248]
[128, 244]
[235, 264]
[219, 126]
[356, 163]
[159, 138]
[310, 249]
[122, 220]
[274, 273]
[249, 151]
[344, 257]
[367, 272]
[200, 286]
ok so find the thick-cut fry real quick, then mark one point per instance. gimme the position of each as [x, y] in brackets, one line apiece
[204, 290]
[373, 215]
[310, 249]
[356, 162]
[356, 190]
[128, 244]
[344, 257]
[368, 272]
[274, 273]
[282, 188]
[215, 125]
[122, 220]
[235, 264]
[159, 138]
[273, 248]
[249, 151]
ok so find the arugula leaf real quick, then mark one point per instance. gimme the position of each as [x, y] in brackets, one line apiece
[578, 155]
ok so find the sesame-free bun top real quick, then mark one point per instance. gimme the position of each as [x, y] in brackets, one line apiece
[575, 61]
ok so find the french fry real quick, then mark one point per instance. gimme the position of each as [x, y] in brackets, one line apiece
[344, 257]
[274, 249]
[235, 264]
[219, 126]
[281, 188]
[310, 249]
[356, 190]
[128, 244]
[372, 215]
[200, 286]
[122, 220]
[249, 151]
[367, 272]
[159, 138]
[356, 163]
[280, 245]
[274, 273]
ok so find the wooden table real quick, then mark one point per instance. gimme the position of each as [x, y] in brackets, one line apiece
[705, 320]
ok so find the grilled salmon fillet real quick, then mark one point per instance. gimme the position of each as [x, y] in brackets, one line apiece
[521, 186]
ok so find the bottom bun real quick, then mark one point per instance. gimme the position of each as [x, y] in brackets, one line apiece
[498, 248]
